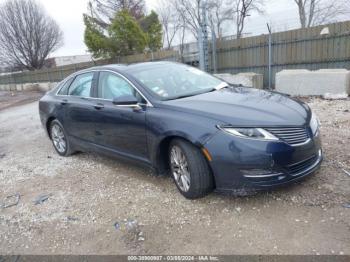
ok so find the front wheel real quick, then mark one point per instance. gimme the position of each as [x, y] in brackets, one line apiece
[189, 169]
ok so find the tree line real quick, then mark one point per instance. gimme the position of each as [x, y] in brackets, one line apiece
[113, 28]
[180, 17]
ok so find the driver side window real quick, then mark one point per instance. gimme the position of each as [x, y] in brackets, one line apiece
[111, 86]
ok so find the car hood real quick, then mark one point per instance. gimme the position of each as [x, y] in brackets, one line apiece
[239, 106]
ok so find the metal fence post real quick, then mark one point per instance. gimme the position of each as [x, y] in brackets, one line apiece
[61, 74]
[213, 50]
[13, 82]
[270, 57]
[48, 76]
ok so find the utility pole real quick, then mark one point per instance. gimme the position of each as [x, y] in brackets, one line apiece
[203, 38]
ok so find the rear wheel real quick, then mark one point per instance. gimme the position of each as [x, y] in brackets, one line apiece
[59, 138]
[189, 169]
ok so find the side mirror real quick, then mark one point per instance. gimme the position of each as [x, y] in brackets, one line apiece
[126, 100]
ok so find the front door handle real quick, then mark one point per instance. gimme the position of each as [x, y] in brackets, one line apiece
[99, 106]
[64, 102]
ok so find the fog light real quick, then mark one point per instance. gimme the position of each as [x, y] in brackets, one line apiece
[256, 173]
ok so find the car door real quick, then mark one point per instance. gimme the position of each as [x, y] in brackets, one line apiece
[79, 108]
[120, 128]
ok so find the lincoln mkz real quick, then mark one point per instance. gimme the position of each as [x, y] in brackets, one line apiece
[176, 119]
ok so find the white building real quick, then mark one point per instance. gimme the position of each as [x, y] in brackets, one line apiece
[68, 60]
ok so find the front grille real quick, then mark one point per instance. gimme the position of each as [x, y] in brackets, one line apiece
[291, 135]
[297, 168]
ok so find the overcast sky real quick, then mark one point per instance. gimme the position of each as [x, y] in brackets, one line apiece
[282, 14]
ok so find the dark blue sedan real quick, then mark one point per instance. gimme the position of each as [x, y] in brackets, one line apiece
[177, 119]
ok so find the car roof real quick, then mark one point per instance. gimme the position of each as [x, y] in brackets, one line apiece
[136, 66]
[127, 68]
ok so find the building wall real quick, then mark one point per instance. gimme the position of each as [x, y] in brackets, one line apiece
[68, 60]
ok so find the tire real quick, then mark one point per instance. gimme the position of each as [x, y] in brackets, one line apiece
[200, 182]
[56, 137]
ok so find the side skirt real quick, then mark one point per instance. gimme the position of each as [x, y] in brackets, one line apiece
[85, 146]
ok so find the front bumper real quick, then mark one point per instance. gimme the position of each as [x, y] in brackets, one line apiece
[260, 165]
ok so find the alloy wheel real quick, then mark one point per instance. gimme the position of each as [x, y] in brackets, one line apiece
[58, 138]
[180, 169]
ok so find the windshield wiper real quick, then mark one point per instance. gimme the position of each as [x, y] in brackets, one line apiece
[183, 96]
[192, 94]
[221, 86]
[218, 87]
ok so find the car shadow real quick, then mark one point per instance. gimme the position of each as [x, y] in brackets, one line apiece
[146, 175]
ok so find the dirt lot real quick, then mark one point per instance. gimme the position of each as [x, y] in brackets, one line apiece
[98, 205]
[15, 98]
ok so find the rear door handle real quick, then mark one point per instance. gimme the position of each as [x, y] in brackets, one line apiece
[99, 106]
[64, 102]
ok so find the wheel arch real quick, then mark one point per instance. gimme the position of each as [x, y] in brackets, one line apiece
[162, 157]
[48, 123]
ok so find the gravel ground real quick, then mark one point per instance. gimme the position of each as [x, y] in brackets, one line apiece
[98, 205]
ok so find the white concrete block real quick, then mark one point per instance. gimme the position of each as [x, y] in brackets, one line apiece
[52, 85]
[306, 83]
[30, 87]
[19, 87]
[330, 96]
[246, 79]
[44, 86]
[12, 87]
[8, 87]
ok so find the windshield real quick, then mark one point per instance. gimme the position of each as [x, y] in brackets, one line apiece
[172, 81]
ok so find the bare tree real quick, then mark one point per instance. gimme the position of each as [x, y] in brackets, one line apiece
[103, 11]
[242, 9]
[317, 12]
[27, 34]
[218, 12]
[170, 20]
[189, 11]
[181, 39]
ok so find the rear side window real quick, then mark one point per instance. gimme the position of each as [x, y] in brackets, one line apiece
[65, 86]
[81, 85]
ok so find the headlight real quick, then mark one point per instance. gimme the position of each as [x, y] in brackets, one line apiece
[254, 133]
[314, 123]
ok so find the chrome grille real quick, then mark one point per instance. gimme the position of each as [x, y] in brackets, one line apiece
[291, 135]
